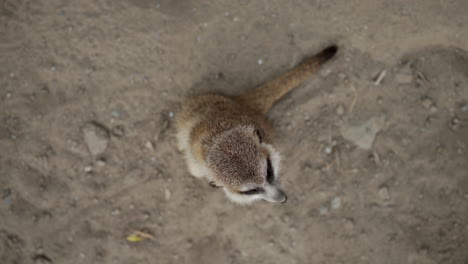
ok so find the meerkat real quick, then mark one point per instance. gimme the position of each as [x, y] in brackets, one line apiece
[229, 140]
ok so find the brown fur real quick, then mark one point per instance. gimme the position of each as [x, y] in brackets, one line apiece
[220, 135]
[262, 98]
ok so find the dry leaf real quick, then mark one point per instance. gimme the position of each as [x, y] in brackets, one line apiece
[138, 236]
[135, 238]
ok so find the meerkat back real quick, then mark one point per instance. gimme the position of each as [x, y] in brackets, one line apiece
[229, 141]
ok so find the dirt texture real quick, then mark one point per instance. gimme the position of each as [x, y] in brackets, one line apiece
[375, 145]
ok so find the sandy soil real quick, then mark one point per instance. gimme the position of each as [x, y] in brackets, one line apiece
[113, 74]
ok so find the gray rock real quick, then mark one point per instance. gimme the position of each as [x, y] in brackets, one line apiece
[363, 134]
[116, 113]
[96, 138]
[336, 202]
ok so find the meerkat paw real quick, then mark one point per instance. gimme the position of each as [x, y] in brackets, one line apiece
[195, 168]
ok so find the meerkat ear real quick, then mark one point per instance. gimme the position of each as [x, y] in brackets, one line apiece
[213, 184]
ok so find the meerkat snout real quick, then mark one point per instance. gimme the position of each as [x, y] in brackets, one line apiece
[228, 140]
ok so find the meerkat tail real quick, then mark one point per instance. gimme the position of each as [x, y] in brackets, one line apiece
[263, 97]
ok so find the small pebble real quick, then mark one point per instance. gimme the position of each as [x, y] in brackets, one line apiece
[146, 215]
[101, 163]
[336, 203]
[427, 102]
[167, 195]
[53, 68]
[116, 113]
[171, 114]
[115, 212]
[149, 145]
[328, 150]
[42, 259]
[189, 243]
[88, 169]
[323, 210]
[260, 62]
[118, 131]
[455, 123]
[464, 108]
[334, 143]
[383, 193]
[96, 138]
[340, 110]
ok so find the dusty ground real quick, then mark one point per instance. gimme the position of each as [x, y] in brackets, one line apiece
[126, 66]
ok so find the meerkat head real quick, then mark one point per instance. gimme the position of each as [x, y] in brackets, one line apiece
[245, 166]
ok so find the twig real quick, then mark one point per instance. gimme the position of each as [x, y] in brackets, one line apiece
[380, 77]
[356, 95]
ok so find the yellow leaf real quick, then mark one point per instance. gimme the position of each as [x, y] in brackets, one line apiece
[135, 238]
[138, 236]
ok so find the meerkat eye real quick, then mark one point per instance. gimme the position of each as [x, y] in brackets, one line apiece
[270, 173]
[252, 191]
[259, 135]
